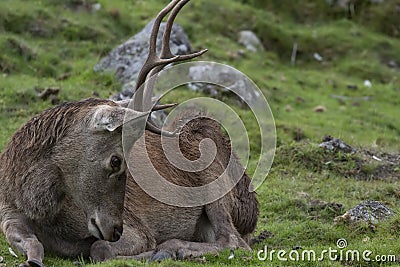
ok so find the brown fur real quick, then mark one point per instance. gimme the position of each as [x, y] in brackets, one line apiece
[52, 171]
[58, 187]
[177, 232]
[38, 136]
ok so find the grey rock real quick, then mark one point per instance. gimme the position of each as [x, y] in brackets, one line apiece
[368, 211]
[335, 144]
[393, 64]
[231, 81]
[250, 40]
[127, 59]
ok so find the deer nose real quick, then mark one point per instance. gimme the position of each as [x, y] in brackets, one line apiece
[117, 233]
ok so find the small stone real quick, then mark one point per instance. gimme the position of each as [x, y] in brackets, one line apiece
[335, 144]
[96, 7]
[250, 40]
[318, 57]
[48, 92]
[368, 211]
[393, 64]
[320, 109]
[367, 83]
[352, 87]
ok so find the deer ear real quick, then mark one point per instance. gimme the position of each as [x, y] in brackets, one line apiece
[123, 103]
[127, 102]
[110, 118]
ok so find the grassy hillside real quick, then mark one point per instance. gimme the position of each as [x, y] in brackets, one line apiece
[54, 43]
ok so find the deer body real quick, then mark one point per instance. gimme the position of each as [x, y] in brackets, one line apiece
[63, 196]
[164, 231]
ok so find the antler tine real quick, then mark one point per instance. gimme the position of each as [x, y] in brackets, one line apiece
[165, 106]
[166, 53]
[154, 129]
[165, 48]
[151, 60]
[153, 64]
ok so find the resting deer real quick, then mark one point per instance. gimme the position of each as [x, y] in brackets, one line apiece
[67, 190]
[173, 232]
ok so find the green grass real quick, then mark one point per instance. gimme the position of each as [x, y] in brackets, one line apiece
[43, 41]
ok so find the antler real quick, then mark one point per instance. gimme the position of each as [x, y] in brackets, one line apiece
[154, 64]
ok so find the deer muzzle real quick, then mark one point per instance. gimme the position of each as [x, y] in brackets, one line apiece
[105, 228]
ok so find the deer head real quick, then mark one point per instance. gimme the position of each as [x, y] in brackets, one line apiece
[89, 161]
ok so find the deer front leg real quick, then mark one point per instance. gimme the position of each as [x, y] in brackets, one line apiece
[226, 234]
[20, 235]
[134, 240]
[223, 231]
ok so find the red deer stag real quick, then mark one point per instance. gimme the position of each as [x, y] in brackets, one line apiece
[155, 230]
[66, 187]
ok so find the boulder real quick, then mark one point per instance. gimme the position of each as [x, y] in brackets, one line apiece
[250, 40]
[127, 59]
[232, 81]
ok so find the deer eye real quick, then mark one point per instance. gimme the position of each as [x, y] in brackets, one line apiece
[116, 163]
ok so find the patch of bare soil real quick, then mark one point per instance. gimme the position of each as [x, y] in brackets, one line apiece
[261, 237]
[371, 165]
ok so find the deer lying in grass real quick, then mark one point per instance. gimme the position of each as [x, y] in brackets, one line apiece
[66, 187]
[178, 232]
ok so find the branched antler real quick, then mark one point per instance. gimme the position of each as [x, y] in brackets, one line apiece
[154, 64]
